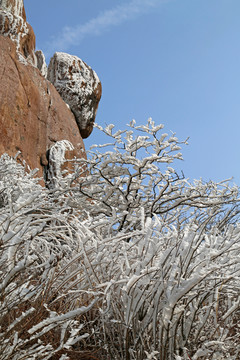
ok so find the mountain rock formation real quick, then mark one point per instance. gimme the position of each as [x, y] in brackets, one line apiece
[33, 115]
[13, 25]
[79, 86]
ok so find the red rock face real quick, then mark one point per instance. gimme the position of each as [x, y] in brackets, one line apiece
[33, 116]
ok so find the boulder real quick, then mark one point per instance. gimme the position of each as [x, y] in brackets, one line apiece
[79, 86]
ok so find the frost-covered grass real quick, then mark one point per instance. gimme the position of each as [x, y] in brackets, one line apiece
[130, 262]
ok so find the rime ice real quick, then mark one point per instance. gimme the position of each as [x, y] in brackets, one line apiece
[79, 86]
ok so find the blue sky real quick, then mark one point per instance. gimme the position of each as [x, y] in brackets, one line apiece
[177, 61]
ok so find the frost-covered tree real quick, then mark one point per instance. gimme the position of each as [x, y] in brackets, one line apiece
[131, 261]
[135, 175]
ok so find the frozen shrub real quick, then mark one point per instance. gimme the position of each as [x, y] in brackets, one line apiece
[38, 245]
[131, 262]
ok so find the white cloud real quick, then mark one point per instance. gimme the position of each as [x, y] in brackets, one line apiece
[103, 22]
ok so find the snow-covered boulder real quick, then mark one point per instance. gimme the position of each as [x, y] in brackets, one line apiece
[79, 86]
[41, 62]
[56, 159]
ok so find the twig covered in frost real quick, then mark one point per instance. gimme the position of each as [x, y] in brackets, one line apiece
[135, 174]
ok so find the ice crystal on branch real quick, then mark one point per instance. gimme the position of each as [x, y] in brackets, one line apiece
[133, 173]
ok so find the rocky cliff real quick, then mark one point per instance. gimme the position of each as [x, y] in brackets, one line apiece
[35, 113]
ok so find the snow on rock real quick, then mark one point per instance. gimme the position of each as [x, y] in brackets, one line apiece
[79, 86]
[15, 7]
[13, 24]
[56, 160]
[41, 62]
